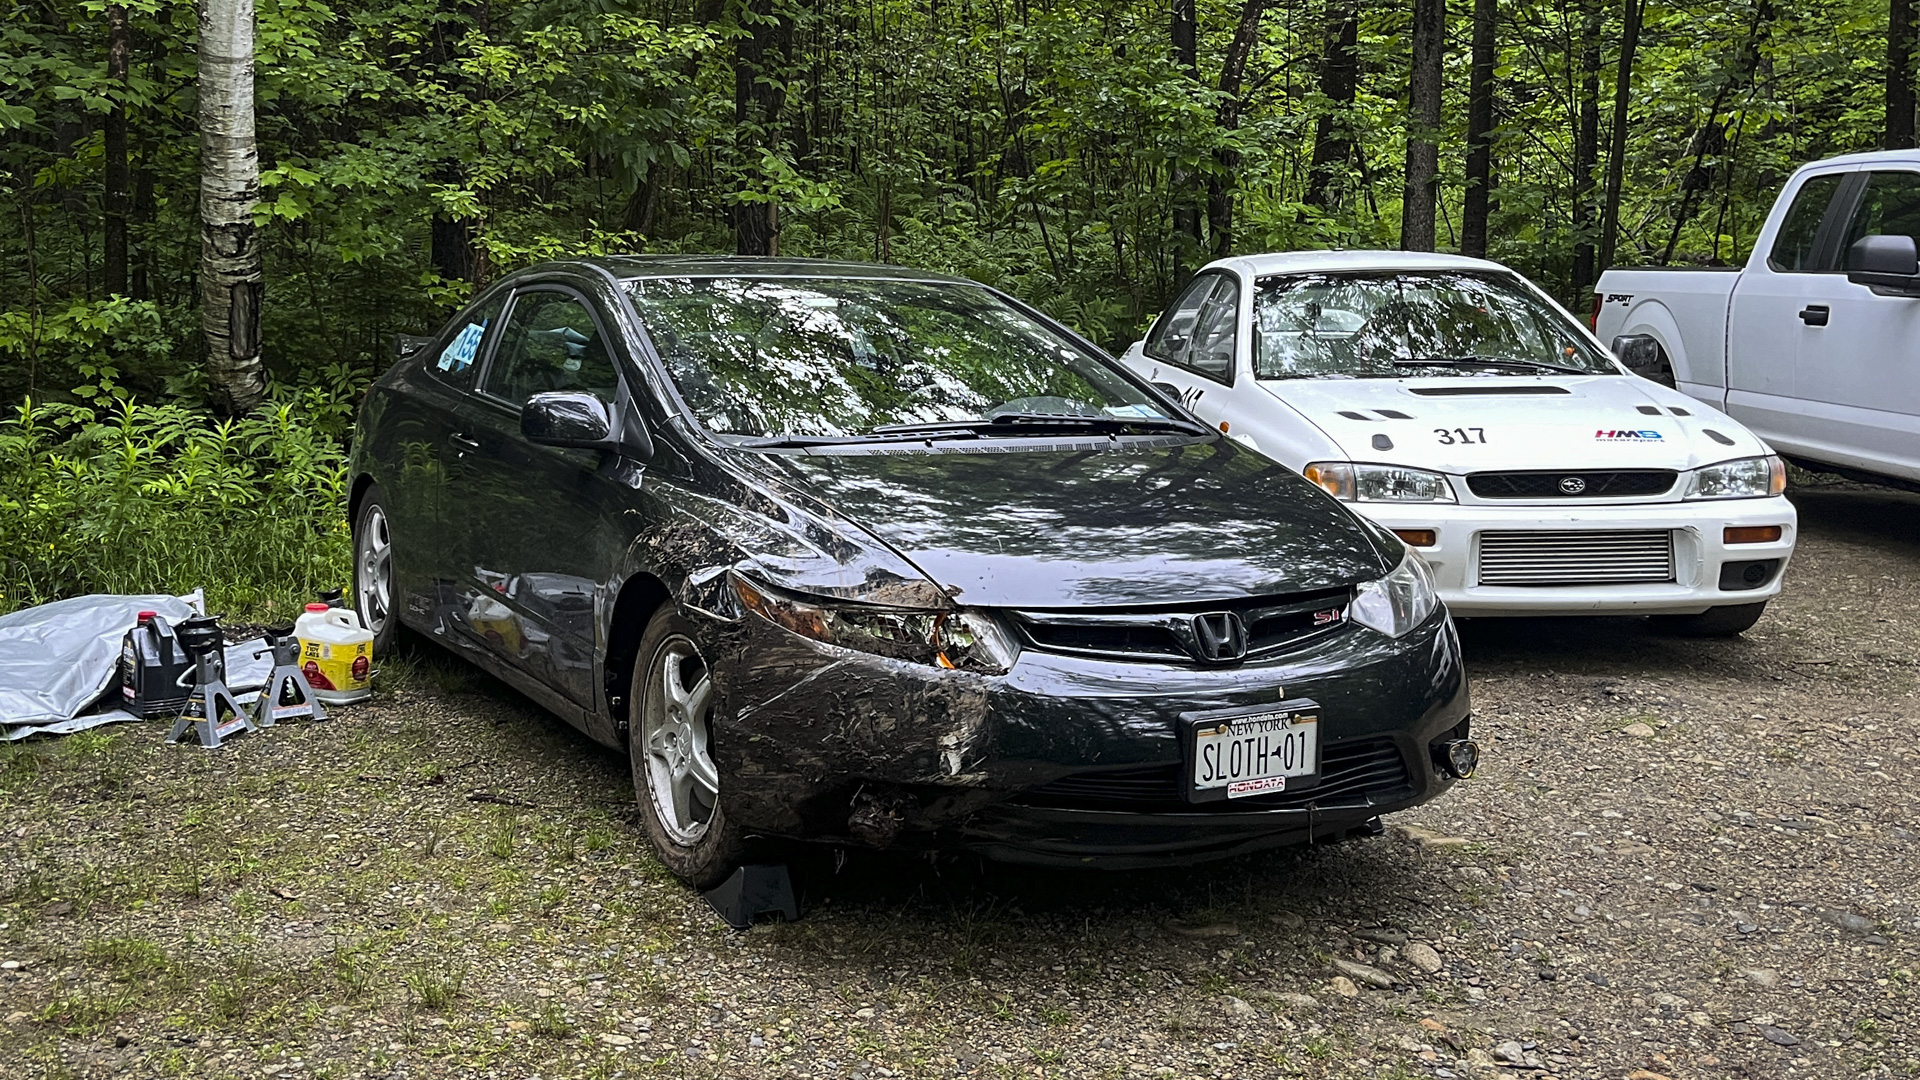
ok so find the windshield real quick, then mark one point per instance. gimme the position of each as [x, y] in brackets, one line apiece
[840, 357]
[1381, 326]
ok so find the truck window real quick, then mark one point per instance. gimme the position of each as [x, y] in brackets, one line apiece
[1793, 251]
[1890, 206]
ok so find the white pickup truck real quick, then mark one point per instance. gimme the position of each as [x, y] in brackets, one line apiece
[1814, 345]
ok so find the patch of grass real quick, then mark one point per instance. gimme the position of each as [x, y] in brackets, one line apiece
[86, 1013]
[129, 958]
[436, 988]
[500, 838]
[551, 1021]
[231, 993]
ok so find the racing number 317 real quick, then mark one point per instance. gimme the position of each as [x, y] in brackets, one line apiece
[1456, 436]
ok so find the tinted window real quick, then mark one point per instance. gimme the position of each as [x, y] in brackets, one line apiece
[462, 348]
[1375, 325]
[1793, 248]
[550, 342]
[1201, 329]
[838, 356]
[1890, 206]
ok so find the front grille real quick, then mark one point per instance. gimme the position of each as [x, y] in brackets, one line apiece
[1575, 558]
[1551, 484]
[1352, 774]
[1274, 624]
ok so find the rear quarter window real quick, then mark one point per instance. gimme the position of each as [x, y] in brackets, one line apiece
[458, 348]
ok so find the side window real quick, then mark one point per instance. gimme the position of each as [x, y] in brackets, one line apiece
[455, 362]
[1890, 206]
[1174, 332]
[1202, 329]
[1793, 251]
[550, 342]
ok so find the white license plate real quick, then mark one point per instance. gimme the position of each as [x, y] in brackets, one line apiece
[1257, 753]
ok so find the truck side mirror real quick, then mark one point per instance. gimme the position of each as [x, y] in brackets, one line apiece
[1887, 264]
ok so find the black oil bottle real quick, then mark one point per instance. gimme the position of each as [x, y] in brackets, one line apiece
[154, 678]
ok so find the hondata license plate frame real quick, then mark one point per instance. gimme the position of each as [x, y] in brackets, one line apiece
[1208, 759]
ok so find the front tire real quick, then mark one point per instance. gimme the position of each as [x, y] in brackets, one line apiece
[1730, 621]
[374, 585]
[670, 749]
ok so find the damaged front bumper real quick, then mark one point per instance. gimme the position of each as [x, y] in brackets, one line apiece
[1066, 759]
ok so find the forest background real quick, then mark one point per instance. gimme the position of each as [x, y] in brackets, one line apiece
[1086, 155]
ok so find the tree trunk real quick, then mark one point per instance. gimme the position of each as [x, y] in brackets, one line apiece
[1226, 161]
[1617, 150]
[1339, 81]
[230, 264]
[1478, 196]
[758, 98]
[118, 193]
[1183, 30]
[1586, 148]
[1419, 200]
[1900, 41]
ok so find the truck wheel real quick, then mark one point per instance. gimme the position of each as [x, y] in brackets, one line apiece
[670, 746]
[1729, 621]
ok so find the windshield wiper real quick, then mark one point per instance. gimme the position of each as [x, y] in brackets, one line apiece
[1016, 420]
[1488, 362]
[789, 442]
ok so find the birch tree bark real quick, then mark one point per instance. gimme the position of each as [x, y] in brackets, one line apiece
[230, 264]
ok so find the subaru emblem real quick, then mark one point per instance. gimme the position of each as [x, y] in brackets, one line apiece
[1219, 637]
[1572, 485]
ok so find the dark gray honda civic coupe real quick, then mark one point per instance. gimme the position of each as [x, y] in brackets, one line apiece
[867, 556]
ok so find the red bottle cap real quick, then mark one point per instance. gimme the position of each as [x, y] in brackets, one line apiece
[318, 607]
[144, 616]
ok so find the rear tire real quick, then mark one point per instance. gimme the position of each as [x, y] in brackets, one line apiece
[669, 748]
[1729, 621]
[374, 584]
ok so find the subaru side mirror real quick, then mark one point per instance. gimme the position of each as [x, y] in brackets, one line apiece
[1887, 264]
[1638, 351]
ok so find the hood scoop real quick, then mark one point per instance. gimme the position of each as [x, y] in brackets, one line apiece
[1487, 391]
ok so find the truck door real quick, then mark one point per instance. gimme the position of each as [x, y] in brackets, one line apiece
[1858, 368]
[1767, 324]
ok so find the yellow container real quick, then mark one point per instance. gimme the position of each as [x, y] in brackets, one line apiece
[336, 654]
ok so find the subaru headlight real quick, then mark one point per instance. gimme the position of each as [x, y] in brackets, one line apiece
[1351, 482]
[1395, 604]
[1747, 478]
[956, 639]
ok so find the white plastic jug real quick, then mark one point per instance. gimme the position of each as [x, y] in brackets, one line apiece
[336, 653]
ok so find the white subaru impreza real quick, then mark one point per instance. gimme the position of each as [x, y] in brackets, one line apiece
[1455, 403]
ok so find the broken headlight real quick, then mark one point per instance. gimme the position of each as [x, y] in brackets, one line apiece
[956, 639]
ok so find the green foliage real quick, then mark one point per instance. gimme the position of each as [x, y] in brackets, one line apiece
[133, 498]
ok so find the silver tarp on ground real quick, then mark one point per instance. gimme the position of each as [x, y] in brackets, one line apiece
[56, 660]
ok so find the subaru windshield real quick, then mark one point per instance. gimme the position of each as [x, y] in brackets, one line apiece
[796, 361]
[1405, 324]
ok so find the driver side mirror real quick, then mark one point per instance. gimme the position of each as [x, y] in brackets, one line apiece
[568, 418]
[1887, 264]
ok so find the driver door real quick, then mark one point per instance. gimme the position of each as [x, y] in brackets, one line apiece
[538, 519]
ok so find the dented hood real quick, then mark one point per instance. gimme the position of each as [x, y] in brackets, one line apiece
[1462, 425]
[1063, 527]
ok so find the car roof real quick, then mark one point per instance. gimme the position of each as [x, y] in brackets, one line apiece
[629, 267]
[1869, 157]
[1299, 262]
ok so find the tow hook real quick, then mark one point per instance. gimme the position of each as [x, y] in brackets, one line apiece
[1457, 757]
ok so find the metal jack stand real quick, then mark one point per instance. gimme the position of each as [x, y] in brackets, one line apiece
[286, 695]
[754, 890]
[212, 713]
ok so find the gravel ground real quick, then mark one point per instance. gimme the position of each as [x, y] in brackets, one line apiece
[1682, 859]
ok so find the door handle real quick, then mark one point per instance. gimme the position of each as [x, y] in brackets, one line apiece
[1815, 314]
[464, 444]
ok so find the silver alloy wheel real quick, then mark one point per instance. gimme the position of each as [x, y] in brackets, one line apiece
[681, 775]
[374, 566]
